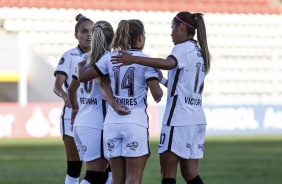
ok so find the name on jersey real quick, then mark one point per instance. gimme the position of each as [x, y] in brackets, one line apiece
[125, 101]
[88, 101]
[193, 101]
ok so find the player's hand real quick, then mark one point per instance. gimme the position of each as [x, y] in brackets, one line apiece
[121, 109]
[73, 115]
[81, 64]
[123, 58]
[66, 100]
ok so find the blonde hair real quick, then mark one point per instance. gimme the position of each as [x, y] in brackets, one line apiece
[102, 34]
[127, 33]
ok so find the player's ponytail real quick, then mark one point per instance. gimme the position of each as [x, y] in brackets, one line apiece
[195, 22]
[127, 33]
[102, 37]
[122, 38]
[202, 39]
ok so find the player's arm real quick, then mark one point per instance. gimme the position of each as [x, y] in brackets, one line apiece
[109, 97]
[155, 89]
[127, 59]
[74, 85]
[85, 74]
[162, 80]
[58, 89]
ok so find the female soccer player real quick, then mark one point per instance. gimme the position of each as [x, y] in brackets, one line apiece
[63, 75]
[127, 136]
[184, 123]
[88, 116]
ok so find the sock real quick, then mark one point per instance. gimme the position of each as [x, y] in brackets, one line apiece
[108, 176]
[74, 168]
[168, 181]
[73, 172]
[71, 180]
[196, 180]
[94, 177]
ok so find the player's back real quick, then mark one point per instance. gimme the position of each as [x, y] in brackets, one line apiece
[129, 85]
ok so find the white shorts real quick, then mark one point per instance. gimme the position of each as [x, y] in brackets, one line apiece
[66, 128]
[89, 143]
[127, 140]
[185, 141]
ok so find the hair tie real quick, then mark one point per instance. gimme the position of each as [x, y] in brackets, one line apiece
[99, 26]
[184, 22]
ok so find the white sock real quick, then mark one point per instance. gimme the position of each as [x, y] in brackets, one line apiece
[84, 182]
[71, 180]
[109, 180]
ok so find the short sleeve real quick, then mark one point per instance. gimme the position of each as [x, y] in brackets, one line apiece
[151, 74]
[178, 54]
[102, 65]
[74, 74]
[63, 65]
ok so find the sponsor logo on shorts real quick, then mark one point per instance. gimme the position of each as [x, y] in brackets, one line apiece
[84, 148]
[132, 145]
[188, 145]
[62, 60]
[111, 145]
[201, 146]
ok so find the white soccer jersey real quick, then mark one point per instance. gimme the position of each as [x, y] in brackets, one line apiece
[185, 86]
[92, 106]
[129, 85]
[66, 66]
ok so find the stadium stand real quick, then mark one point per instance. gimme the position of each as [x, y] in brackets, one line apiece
[244, 36]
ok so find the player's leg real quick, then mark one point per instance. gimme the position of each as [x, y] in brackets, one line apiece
[112, 141]
[134, 169]
[168, 162]
[136, 150]
[108, 175]
[168, 158]
[189, 167]
[118, 170]
[93, 154]
[189, 171]
[74, 164]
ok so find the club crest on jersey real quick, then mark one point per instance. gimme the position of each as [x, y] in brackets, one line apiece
[78, 149]
[62, 60]
[110, 145]
[132, 145]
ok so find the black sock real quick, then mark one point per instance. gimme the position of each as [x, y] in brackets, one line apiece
[94, 177]
[168, 181]
[196, 180]
[74, 168]
[106, 175]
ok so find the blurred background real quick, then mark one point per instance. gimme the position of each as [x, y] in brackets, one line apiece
[243, 91]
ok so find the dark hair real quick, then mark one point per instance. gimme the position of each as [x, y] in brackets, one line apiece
[103, 34]
[196, 21]
[80, 19]
[127, 33]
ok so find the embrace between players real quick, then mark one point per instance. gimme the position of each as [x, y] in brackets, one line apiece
[104, 121]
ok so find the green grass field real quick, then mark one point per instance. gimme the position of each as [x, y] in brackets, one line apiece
[227, 160]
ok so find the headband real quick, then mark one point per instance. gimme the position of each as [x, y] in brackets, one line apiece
[184, 22]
